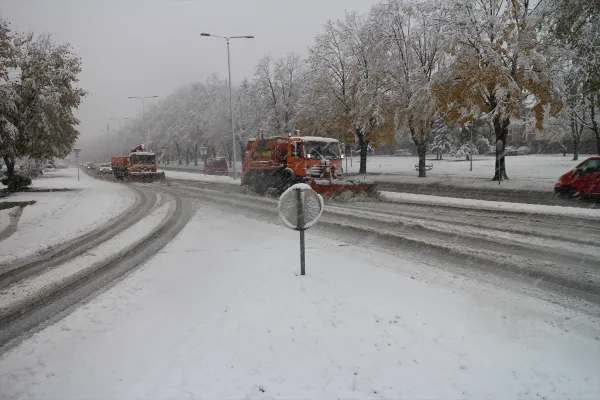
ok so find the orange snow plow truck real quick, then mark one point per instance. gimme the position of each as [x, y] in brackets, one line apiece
[279, 162]
[138, 166]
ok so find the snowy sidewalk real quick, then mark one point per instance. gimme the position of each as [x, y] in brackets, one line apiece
[221, 313]
[62, 215]
[410, 198]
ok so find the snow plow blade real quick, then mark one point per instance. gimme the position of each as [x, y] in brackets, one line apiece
[348, 188]
[146, 176]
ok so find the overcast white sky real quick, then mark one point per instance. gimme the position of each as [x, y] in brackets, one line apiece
[148, 47]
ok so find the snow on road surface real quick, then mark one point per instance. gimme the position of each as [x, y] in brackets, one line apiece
[195, 176]
[63, 215]
[410, 198]
[222, 313]
[27, 289]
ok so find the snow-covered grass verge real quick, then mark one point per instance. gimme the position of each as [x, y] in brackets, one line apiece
[532, 172]
[410, 198]
[193, 176]
[29, 288]
[221, 313]
[60, 216]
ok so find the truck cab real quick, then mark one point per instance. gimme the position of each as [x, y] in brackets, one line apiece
[280, 161]
[138, 164]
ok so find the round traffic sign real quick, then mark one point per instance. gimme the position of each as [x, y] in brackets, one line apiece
[300, 206]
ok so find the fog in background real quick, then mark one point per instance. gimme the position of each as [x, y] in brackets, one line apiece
[143, 48]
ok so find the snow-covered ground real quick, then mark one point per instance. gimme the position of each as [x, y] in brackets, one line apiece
[411, 198]
[63, 215]
[222, 313]
[532, 172]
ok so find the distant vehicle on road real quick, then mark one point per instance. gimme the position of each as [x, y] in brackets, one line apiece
[583, 180]
[105, 169]
[138, 166]
[216, 166]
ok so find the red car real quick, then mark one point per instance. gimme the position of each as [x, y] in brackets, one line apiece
[216, 166]
[584, 180]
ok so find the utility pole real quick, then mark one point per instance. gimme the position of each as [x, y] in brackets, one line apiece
[233, 144]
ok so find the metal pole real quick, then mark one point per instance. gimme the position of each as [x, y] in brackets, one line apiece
[144, 120]
[77, 161]
[231, 112]
[301, 228]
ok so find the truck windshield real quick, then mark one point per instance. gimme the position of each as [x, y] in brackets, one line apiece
[144, 159]
[322, 150]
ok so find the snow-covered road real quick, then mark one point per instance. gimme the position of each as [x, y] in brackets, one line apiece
[59, 216]
[549, 251]
[221, 313]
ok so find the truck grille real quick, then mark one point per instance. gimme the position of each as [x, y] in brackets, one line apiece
[318, 170]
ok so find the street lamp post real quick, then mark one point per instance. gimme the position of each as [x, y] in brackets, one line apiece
[143, 111]
[119, 119]
[230, 95]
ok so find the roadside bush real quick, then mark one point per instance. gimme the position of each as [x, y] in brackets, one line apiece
[19, 182]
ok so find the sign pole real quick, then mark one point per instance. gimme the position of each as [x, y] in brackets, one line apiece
[77, 150]
[301, 228]
[291, 210]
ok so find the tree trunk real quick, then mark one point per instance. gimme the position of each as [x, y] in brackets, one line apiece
[575, 135]
[196, 155]
[501, 133]
[187, 156]
[178, 153]
[421, 151]
[364, 146]
[595, 127]
[10, 173]
[10, 168]
[242, 152]
[441, 155]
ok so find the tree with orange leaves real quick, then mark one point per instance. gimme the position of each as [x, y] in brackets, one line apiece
[497, 68]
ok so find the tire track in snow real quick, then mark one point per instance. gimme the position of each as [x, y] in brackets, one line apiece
[16, 271]
[52, 305]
